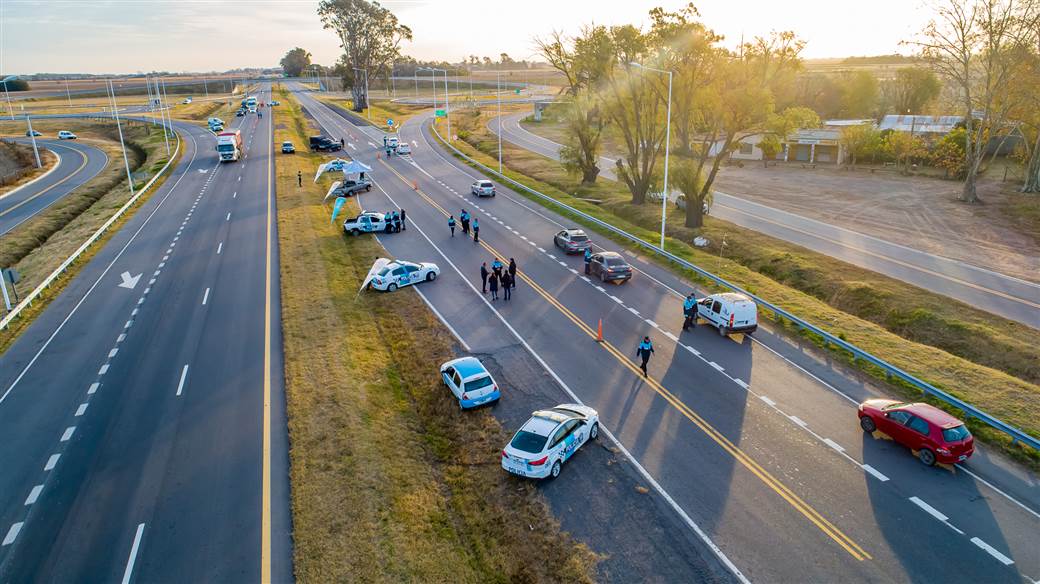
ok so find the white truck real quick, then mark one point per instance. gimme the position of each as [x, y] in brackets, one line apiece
[729, 312]
[229, 145]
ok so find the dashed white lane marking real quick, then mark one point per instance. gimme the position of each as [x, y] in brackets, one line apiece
[135, 311]
[632, 310]
[93, 388]
[12, 533]
[523, 237]
[877, 474]
[564, 264]
[715, 365]
[240, 177]
[81, 409]
[798, 421]
[129, 571]
[51, 462]
[228, 217]
[601, 289]
[180, 384]
[220, 246]
[68, 433]
[993, 552]
[103, 370]
[834, 445]
[152, 281]
[692, 350]
[586, 278]
[573, 271]
[767, 400]
[156, 272]
[34, 494]
[205, 297]
[541, 249]
[128, 323]
[235, 195]
[929, 509]
[112, 353]
[652, 323]
[740, 382]
[670, 336]
[533, 244]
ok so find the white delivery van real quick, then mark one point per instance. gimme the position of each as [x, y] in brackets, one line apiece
[729, 312]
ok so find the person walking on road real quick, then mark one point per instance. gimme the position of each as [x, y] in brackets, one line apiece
[299, 178]
[404, 225]
[512, 271]
[493, 285]
[476, 231]
[342, 144]
[689, 309]
[507, 284]
[588, 261]
[496, 267]
[451, 225]
[464, 218]
[646, 348]
[483, 277]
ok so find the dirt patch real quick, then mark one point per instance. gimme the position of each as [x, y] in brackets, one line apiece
[18, 165]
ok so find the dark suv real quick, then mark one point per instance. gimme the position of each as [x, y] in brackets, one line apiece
[324, 144]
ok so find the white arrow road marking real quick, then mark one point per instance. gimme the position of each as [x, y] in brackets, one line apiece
[128, 281]
[203, 170]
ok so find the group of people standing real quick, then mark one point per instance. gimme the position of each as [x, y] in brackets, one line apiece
[468, 222]
[500, 276]
[395, 221]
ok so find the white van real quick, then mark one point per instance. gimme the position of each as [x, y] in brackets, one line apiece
[729, 312]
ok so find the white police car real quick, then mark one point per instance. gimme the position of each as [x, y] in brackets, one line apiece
[470, 382]
[389, 275]
[549, 439]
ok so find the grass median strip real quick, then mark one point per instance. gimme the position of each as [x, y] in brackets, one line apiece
[390, 482]
[1013, 399]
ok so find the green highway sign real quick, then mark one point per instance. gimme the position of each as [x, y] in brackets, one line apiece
[440, 113]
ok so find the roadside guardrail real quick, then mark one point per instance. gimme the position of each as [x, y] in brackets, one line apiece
[1016, 434]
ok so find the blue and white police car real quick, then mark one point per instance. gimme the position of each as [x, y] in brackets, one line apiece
[389, 275]
[470, 382]
[549, 439]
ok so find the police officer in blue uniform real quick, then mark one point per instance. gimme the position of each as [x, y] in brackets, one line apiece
[689, 309]
[588, 260]
[646, 348]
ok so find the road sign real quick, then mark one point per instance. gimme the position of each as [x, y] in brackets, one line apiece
[12, 275]
[439, 113]
[389, 122]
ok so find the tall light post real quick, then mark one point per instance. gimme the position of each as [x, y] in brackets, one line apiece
[32, 136]
[368, 110]
[667, 146]
[447, 103]
[10, 108]
[163, 114]
[68, 93]
[498, 83]
[119, 127]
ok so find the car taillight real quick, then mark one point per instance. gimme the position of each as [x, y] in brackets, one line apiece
[464, 395]
[540, 461]
[377, 280]
[504, 455]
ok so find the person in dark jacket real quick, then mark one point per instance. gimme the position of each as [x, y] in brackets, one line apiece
[483, 277]
[512, 271]
[493, 286]
[646, 348]
[507, 284]
[404, 226]
[464, 219]
[497, 267]
[451, 225]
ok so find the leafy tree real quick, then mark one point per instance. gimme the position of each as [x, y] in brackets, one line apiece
[911, 90]
[770, 146]
[903, 147]
[295, 61]
[860, 141]
[556, 51]
[689, 181]
[948, 154]
[580, 151]
[16, 85]
[370, 36]
[859, 94]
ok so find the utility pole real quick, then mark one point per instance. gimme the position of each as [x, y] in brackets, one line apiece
[205, 87]
[10, 108]
[32, 136]
[164, 115]
[68, 93]
[119, 127]
[498, 77]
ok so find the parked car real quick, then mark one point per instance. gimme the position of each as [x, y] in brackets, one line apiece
[186, 101]
[680, 202]
[29, 133]
[66, 135]
[470, 382]
[324, 144]
[240, 113]
[549, 439]
[729, 312]
[609, 266]
[389, 275]
[482, 188]
[572, 241]
[288, 147]
[933, 434]
[351, 187]
[366, 222]
[404, 148]
[275, 102]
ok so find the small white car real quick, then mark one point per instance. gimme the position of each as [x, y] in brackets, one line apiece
[404, 148]
[482, 188]
[186, 101]
[729, 312]
[470, 382]
[66, 135]
[366, 222]
[389, 275]
[572, 240]
[547, 440]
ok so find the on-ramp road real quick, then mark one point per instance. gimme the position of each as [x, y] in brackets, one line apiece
[991, 291]
[756, 443]
[142, 422]
[78, 162]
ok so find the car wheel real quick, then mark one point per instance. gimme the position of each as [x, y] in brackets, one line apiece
[431, 276]
[868, 425]
[927, 457]
[555, 472]
[594, 431]
[368, 189]
[602, 277]
[355, 232]
[723, 331]
[391, 287]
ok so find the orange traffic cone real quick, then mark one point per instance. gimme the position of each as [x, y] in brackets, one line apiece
[415, 185]
[599, 331]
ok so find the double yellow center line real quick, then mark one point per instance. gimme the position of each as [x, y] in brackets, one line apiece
[750, 464]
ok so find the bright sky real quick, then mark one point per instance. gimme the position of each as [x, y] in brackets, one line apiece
[124, 36]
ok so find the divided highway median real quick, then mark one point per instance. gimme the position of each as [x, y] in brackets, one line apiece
[388, 478]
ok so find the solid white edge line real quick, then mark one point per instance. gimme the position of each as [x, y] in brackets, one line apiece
[992, 551]
[129, 571]
[875, 472]
[184, 374]
[646, 475]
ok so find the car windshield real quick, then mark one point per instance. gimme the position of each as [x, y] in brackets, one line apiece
[485, 185]
[226, 148]
[528, 442]
[476, 384]
[956, 433]
[892, 406]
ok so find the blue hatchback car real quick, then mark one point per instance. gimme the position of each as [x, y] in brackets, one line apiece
[470, 382]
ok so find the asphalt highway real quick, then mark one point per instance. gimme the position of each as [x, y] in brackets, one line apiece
[752, 443]
[142, 421]
[78, 162]
[988, 290]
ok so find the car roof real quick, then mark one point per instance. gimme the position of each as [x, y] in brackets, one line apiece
[541, 425]
[932, 414]
[483, 181]
[611, 254]
[399, 263]
[575, 231]
[733, 297]
[469, 366]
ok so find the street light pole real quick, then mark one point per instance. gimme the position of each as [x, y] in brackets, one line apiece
[68, 94]
[498, 77]
[163, 114]
[667, 147]
[119, 127]
[32, 136]
[10, 108]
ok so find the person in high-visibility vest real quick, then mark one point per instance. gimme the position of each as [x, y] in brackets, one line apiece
[588, 260]
[646, 348]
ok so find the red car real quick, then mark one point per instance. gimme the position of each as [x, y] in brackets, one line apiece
[935, 435]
